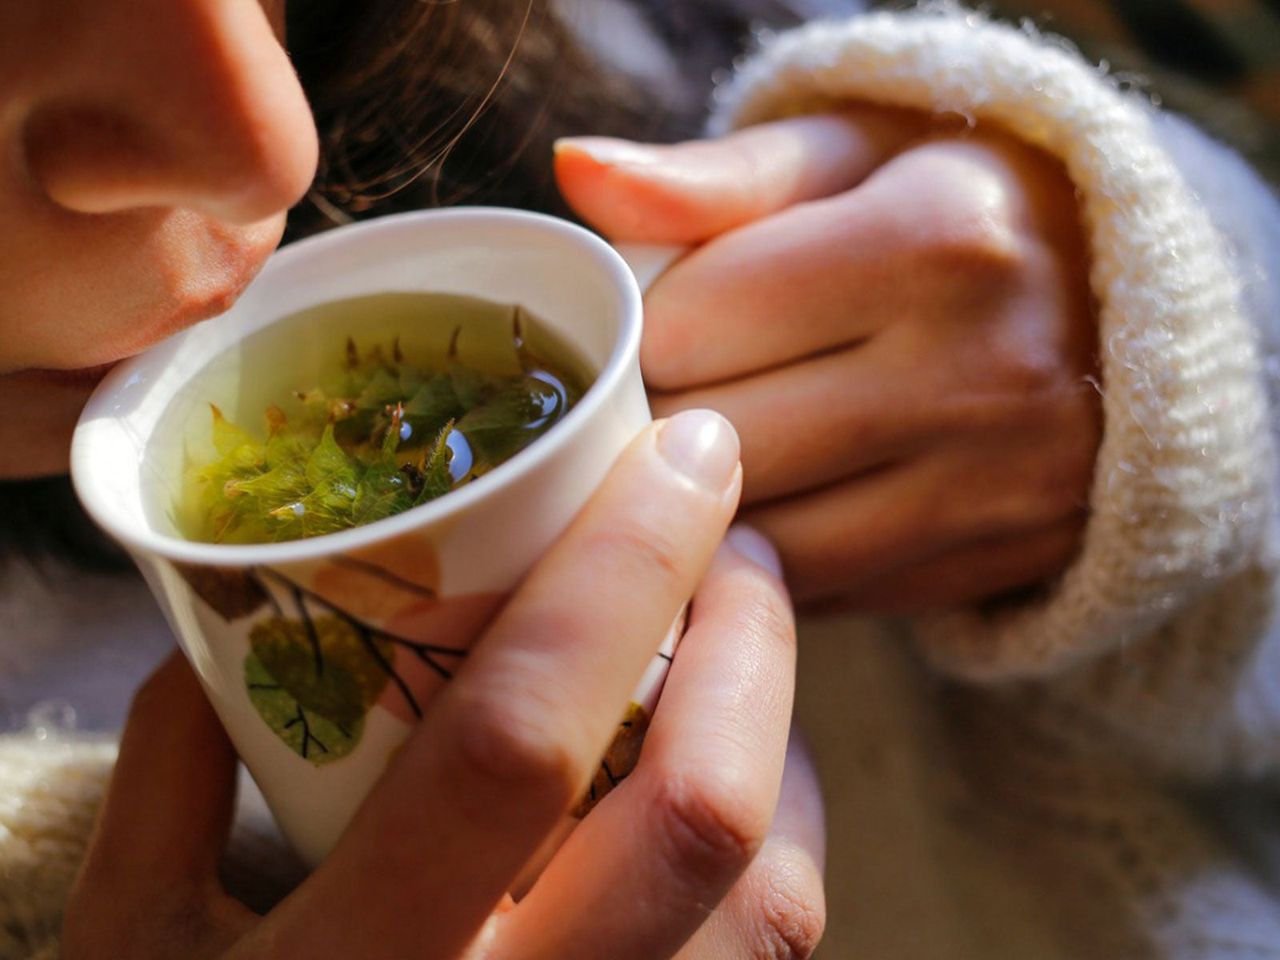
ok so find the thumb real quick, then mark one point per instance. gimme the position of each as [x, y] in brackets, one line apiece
[689, 192]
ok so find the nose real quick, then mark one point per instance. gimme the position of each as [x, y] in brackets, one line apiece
[189, 104]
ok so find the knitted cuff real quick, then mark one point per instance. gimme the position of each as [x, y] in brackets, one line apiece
[1181, 487]
[52, 789]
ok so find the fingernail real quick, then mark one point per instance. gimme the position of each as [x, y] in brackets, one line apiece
[755, 546]
[608, 151]
[702, 445]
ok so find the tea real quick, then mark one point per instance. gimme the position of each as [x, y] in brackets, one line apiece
[423, 394]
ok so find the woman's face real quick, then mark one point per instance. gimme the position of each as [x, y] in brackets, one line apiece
[148, 151]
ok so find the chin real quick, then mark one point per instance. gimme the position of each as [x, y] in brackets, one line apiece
[43, 407]
[84, 377]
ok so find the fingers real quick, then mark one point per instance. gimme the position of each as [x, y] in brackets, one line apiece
[809, 424]
[171, 797]
[641, 872]
[151, 867]
[972, 572]
[846, 539]
[778, 909]
[811, 278]
[507, 748]
[689, 192]
[939, 234]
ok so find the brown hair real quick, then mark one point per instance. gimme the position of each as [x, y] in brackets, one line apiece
[423, 103]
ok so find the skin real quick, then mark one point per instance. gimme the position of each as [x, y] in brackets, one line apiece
[920, 432]
[148, 153]
[896, 316]
[491, 770]
[938, 318]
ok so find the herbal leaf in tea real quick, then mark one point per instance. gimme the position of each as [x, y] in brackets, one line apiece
[383, 433]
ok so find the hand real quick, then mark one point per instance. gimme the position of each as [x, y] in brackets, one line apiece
[503, 752]
[897, 320]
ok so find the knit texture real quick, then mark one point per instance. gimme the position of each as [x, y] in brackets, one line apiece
[53, 786]
[1155, 657]
[1181, 498]
[1125, 867]
[1152, 656]
[51, 793]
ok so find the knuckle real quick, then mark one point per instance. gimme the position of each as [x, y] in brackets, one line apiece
[1014, 377]
[502, 744]
[980, 251]
[637, 550]
[710, 832]
[971, 237]
[1029, 375]
[793, 915]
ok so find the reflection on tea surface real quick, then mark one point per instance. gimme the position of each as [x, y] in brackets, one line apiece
[372, 406]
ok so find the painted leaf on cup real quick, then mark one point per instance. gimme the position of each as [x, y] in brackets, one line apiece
[619, 760]
[361, 629]
[325, 663]
[375, 582]
[309, 734]
[230, 592]
[432, 639]
[391, 587]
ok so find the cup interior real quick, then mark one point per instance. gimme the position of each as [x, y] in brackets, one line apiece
[132, 440]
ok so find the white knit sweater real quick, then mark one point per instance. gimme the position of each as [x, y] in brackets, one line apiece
[1069, 728]
[1154, 661]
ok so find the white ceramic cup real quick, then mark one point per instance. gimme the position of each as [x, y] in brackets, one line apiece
[384, 612]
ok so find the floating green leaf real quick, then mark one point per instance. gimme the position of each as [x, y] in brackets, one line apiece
[436, 478]
[380, 438]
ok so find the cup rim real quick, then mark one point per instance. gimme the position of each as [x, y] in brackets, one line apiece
[90, 433]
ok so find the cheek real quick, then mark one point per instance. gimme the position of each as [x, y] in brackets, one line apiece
[82, 290]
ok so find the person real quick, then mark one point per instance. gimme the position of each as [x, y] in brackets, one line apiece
[134, 208]
[1084, 767]
[1018, 383]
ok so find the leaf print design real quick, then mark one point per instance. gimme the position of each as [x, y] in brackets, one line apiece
[315, 668]
[309, 734]
[323, 663]
[360, 630]
[619, 760]
[232, 593]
